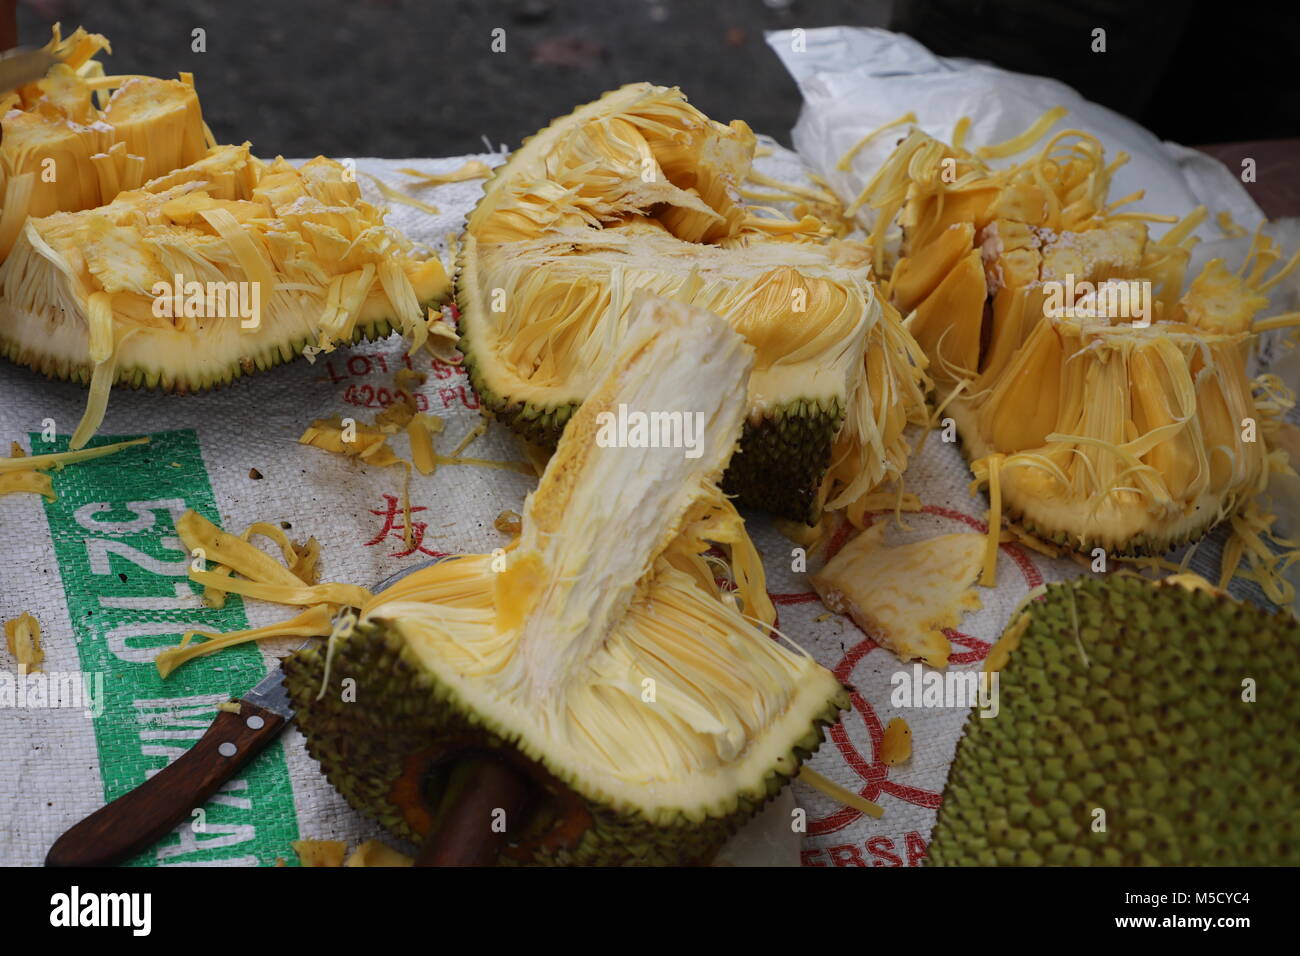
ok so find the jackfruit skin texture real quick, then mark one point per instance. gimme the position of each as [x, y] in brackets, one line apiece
[266, 357]
[782, 457]
[401, 711]
[1153, 730]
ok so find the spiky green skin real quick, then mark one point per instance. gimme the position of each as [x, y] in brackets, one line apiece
[782, 458]
[1152, 729]
[778, 466]
[259, 359]
[400, 710]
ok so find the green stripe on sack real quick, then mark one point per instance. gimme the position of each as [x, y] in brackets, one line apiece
[124, 574]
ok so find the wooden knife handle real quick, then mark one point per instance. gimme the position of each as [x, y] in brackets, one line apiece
[464, 834]
[141, 817]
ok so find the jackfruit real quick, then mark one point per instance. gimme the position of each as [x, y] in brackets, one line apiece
[1104, 404]
[598, 653]
[640, 191]
[155, 261]
[1140, 723]
[904, 596]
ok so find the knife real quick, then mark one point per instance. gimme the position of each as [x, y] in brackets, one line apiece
[138, 819]
[22, 66]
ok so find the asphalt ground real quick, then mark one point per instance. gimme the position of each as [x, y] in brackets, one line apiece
[422, 77]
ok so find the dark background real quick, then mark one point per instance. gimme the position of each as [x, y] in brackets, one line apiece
[418, 78]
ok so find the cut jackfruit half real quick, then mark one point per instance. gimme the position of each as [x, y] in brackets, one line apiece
[1109, 405]
[640, 191]
[599, 652]
[152, 260]
[904, 596]
[1139, 724]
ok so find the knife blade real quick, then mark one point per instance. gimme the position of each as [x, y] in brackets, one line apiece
[22, 66]
[141, 817]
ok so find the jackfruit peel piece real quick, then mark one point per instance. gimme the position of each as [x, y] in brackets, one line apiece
[904, 596]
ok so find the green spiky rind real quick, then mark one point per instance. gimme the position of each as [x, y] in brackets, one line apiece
[1152, 729]
[401, 709]
[137, 377]
[783, 458]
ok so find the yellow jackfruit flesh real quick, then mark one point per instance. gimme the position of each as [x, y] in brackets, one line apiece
[154, 259]
[639, 191]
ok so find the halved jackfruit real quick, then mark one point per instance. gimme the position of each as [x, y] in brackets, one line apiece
[599, 652]
[1139, 724]
[151, 260]
[639, 191]
[1104, 405]
[62, 152]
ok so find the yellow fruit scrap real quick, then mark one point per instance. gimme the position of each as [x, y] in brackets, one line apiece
[393, 194]
[1005, 645]
[25, 473]
[351, 438]
[23, 636]
[897, 502]
[376, 853]
[235, 553]
[229, 706]
[829, 788]
[301, 557]
[443, 340]
[260, 577]
[420, 431]
[314, 622]
[904, 596]
[320, 852]
[508, 522]
[896, 747]
[471, 169]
